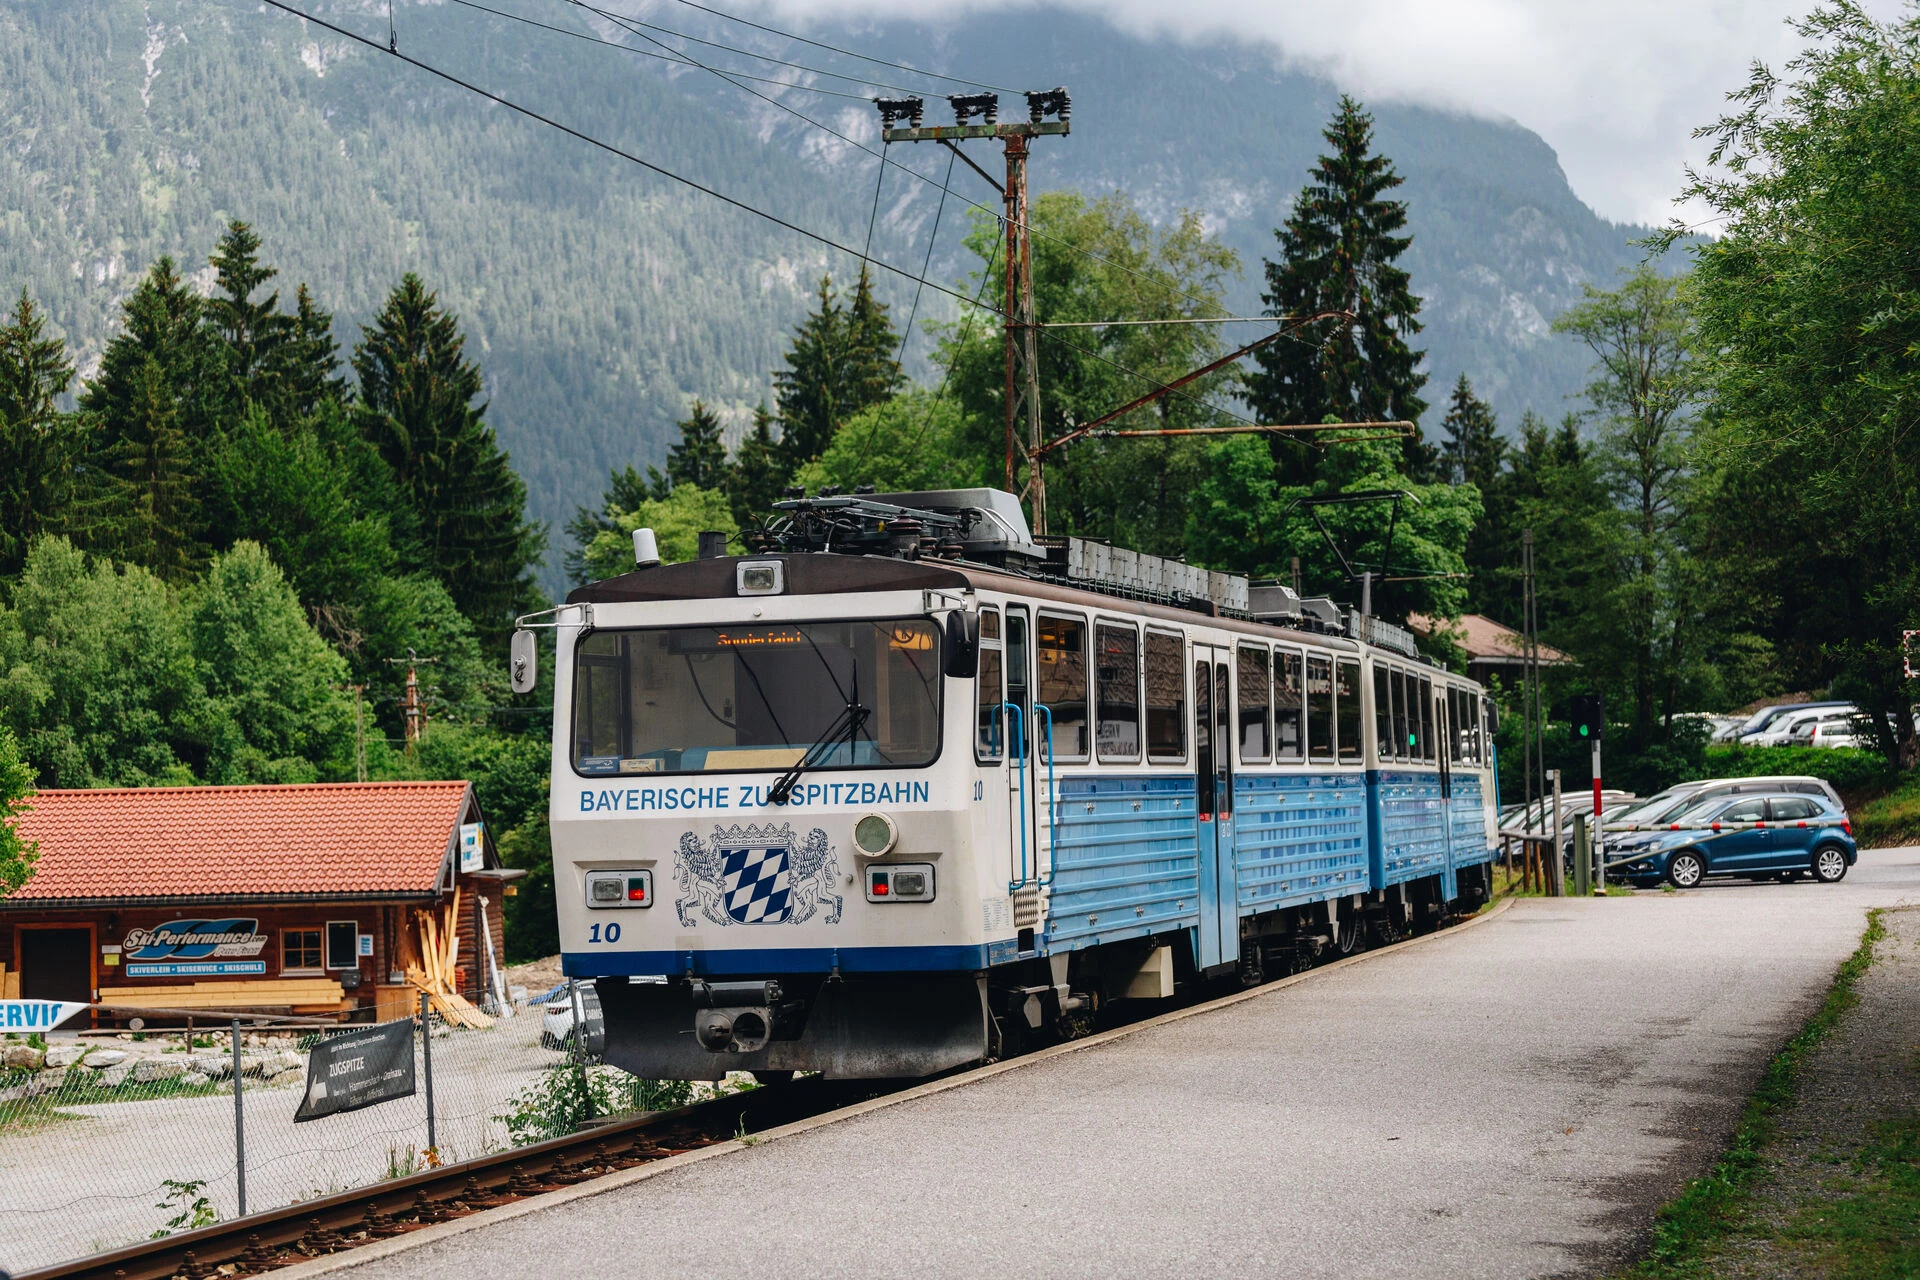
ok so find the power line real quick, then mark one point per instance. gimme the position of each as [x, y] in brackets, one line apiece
[745, 53]
[897, 66]
[907, 333]
[677, 61]
[608, 147]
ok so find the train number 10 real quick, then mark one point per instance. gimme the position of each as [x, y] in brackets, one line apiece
[612, 932]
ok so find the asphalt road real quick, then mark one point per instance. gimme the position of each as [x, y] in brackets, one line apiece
[1514, 1099]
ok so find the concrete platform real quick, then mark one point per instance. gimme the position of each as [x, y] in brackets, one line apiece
[1513, 1099]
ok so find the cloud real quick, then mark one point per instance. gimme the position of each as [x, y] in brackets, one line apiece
[1615, 88]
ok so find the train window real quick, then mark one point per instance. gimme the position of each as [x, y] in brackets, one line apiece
[1166, 697]
[990, 718]
[1203, 740]
[1289, 708]
[1319, 708]
[1423, 695]
[1457, 722]
[1382, 713]
[1060, 685]
[1398, 689]
[1476, 742]
[1346, 707]
[1256, 691]
[1019, 668]
[1117, 691]
[758, 697]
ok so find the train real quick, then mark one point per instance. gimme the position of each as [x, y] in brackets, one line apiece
[904, 788]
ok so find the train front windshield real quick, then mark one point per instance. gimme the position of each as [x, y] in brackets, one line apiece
[747, 698]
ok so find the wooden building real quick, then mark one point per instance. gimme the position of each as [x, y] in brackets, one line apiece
[342, 898]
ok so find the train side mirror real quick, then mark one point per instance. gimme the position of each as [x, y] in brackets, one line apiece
[963, 644]
[523, 663]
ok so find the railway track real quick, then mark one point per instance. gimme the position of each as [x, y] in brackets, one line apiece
[277, 1238]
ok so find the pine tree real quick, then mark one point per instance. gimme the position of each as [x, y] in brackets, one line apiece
[1337, 253]
[759, 473]
[285, 363]
[153, 407]
[841, 362]
[1472, 451]
[626, 490]
[701, 456]
[38, 443]
[417, 392]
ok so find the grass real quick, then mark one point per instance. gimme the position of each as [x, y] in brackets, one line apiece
[1872, 1232]
[1689, 1229]
[1890, 819]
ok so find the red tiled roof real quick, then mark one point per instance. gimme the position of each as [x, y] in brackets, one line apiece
[174, 842]
[1483, 639]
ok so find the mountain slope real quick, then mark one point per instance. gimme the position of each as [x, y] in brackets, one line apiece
[600, 297]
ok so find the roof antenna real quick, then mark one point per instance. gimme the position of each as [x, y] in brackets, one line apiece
[393, 45]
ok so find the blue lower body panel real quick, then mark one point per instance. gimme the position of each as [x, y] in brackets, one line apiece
[1125, 860]
[1409, 826]
[1299, 838]
[1470, 846]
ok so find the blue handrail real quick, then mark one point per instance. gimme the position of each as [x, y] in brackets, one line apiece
[1053, 853]
[1017, 751]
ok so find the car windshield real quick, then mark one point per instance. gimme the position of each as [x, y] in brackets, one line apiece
[703, 699]
[1703, 811]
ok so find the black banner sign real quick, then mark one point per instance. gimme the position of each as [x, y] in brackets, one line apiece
[357, 1069]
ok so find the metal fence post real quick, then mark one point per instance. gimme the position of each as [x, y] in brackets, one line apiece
[1553, 846]
[426, 1053]
[580, 1049]
[239, 1123]
[1582, 859]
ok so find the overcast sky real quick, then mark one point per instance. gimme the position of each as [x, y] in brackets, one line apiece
[1616, 87]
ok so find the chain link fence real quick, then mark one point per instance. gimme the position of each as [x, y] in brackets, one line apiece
[111, 1137]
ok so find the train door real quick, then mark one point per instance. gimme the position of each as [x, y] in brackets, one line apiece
[1023, 781]
[1445, 743]
[1213, 780]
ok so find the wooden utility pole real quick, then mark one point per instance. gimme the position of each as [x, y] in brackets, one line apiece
[1020, 326]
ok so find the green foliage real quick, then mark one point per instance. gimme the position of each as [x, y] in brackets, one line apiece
[1096, 260]
[840, 362]
[38, 443]
[417, 390]
[1339, 251]
[1808, 307]
[907, 443]
[194, 1208]
[1473, 450]
[1243, 519]
[1852, 772]
[565, 1096]
[17, 853]
[677, 522]
[700, 459]
[275, 711]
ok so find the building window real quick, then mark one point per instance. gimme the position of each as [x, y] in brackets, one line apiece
[1166, 697]
[343, 944]
[1117, 674]
[299, 949]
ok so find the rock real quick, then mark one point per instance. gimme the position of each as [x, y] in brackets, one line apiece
[252, 1064]
[194, 1079]
[45, 1082]
[23, 1057]
[101, 1059]
[152, 1069]
[281, 1063]
[65, 1055]
[114, 1077]
[295, 1078]
[214, 1066]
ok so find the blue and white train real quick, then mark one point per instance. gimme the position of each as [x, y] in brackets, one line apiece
[903, 790]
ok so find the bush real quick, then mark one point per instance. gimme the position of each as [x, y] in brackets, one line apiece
[567, 1095]
[1851, 771]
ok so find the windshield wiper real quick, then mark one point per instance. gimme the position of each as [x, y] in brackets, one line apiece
[848, 721]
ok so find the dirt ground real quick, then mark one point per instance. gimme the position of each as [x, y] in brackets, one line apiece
[535, 975]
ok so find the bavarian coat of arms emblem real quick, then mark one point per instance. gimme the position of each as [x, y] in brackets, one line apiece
[756, 875]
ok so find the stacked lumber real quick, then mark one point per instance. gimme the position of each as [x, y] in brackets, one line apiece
[9, 984]
[302, 995]
[430, 955]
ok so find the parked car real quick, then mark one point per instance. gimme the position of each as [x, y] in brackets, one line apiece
[1832, 731]
[1779, 836]
[557, 1012]
[1665, 807]
[1779, 731]
[1767, 715]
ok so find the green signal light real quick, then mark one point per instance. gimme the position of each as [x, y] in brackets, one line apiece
[1583, 731]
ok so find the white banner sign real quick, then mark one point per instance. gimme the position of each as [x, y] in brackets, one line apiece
[36, 1015]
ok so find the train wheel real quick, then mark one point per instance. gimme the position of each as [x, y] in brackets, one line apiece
[1350, 939]
[1253, 965]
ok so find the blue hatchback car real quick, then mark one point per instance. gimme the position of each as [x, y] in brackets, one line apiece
[1756, 836]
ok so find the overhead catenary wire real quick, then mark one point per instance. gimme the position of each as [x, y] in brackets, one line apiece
[674, 59]
[882, 62]
[609, 148]
[926, 263]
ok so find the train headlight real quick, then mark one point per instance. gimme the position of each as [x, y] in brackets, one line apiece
[759, 578]
[607, 890]
[875, 835]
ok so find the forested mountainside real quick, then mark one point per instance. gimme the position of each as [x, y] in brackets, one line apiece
[602, 298]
